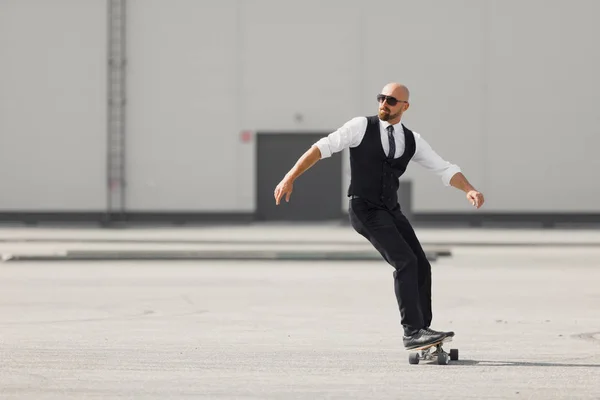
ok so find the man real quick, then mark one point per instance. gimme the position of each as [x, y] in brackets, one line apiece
[380, 150]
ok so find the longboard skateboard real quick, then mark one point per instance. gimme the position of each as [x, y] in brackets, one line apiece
[426, 353]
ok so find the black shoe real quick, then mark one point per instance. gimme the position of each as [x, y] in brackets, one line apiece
[422, 337]
[448, 334]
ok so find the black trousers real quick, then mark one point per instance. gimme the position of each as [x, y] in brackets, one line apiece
[392, 235]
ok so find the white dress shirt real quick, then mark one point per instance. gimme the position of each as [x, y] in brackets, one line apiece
[351, 134]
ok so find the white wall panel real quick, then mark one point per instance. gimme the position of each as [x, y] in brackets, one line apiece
[183, 112]
[543, 106]
[53, 105]
[300, 57]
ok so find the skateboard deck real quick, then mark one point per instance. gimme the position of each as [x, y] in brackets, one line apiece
[438, 353]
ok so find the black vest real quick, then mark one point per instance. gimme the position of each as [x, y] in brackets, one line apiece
[374, 177]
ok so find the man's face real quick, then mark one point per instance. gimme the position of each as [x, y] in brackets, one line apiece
[391, 107]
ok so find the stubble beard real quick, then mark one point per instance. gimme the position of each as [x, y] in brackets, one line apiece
[386, 116]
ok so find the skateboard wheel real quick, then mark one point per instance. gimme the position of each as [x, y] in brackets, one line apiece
[442, 359]
[413, 358]
[454, 354]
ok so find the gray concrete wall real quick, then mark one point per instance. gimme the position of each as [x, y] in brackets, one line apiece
[52, 105]
[506, 89]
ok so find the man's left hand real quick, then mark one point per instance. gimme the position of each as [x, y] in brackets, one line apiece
[475, 198]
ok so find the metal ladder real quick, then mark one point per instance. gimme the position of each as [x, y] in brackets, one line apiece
[116, 108]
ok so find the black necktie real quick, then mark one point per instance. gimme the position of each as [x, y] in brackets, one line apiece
[392, 150]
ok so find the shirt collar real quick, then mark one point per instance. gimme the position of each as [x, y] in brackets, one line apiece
[385, 124]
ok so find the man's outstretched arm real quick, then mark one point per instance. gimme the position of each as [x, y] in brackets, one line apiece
[450, 173]
[460, 182]
[349, 134]
[307, 160]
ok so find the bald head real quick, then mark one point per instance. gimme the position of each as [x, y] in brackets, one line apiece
[396, 90]
[393, 103]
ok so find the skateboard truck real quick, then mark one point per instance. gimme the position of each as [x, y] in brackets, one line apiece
[432, 352]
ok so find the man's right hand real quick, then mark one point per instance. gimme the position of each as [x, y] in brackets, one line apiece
[307, 160]
[285, 187]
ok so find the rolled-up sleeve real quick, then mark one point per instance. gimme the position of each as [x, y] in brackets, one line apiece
[432, 161]
[348, 135]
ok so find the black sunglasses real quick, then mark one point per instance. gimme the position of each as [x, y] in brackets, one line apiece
[392, 101]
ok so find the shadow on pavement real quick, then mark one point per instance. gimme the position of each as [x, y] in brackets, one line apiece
[484, 363]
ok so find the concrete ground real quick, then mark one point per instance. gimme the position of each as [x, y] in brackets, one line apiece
[527, 323]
